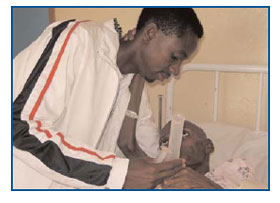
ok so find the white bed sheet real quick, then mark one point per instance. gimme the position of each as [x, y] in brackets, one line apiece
[236, 142]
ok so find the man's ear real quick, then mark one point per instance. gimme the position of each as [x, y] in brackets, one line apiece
[150, 32]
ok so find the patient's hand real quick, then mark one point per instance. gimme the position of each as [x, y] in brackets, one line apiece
[129, 35]
[188, 179]
[127, 141]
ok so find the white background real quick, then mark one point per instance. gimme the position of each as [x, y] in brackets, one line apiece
[136, 196]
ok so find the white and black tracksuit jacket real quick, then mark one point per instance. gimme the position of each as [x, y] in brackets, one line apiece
[64, 86]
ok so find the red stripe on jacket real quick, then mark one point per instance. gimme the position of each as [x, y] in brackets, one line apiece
[41, 96]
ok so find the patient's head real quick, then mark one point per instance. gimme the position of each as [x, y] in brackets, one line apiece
[195, 147]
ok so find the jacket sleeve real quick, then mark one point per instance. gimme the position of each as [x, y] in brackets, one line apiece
[37, 140]
[147, 133]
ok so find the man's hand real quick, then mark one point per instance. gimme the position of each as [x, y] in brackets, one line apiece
[188, 179]
[144, 174]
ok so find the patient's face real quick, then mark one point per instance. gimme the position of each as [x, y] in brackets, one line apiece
[163, 55]
[195, 146]
[193, 149]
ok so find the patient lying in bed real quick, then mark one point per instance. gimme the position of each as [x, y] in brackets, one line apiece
[196, 149]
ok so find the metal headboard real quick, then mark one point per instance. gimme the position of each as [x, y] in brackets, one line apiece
[216, 68]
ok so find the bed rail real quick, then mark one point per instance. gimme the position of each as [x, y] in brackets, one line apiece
[217, 68]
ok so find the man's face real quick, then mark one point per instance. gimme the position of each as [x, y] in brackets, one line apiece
[163, 55]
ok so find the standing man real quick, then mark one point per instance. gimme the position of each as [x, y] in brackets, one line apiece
[80, 103]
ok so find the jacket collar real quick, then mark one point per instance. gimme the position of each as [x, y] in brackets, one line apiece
[108, 45]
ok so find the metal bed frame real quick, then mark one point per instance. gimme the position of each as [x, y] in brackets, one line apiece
[217, 68]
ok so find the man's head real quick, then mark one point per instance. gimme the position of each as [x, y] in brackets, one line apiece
[168, 36]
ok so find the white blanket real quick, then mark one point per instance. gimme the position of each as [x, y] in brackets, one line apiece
[237, 142]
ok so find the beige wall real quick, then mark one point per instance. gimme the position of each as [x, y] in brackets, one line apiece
[232, 36]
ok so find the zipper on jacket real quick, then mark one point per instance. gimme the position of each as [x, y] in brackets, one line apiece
[115, 97]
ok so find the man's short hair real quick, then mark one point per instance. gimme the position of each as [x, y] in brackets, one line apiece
[171, 20]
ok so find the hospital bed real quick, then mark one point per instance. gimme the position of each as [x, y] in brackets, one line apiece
[230, 141]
